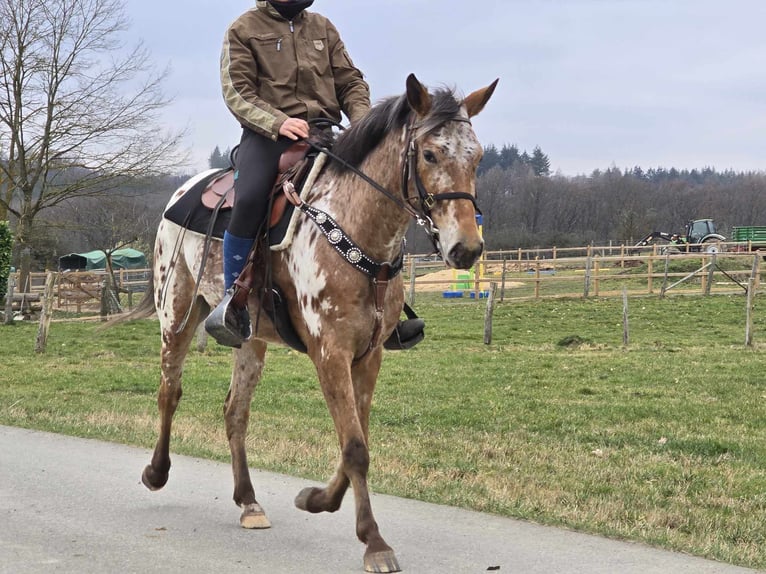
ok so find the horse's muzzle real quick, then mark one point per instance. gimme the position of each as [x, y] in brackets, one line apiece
[463, 256]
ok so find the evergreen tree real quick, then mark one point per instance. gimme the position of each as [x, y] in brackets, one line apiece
[217, 160]
[540, 163]
[490, 159]
[509, 155]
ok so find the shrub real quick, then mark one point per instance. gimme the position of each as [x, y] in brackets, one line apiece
[6, 245]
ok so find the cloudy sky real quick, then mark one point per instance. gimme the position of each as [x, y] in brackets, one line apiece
[594, 83]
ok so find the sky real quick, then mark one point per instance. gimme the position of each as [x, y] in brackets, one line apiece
[595, 83]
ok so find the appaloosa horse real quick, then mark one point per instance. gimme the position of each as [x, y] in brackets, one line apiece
[419, 155]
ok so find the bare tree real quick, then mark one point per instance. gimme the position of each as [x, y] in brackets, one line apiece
[78, 111]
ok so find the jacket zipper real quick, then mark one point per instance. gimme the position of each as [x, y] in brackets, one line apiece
[279, 41]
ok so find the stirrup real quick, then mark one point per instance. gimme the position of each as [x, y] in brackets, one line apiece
[406, 335]
[228, 324]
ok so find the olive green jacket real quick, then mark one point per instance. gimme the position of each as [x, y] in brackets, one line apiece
[272, 69]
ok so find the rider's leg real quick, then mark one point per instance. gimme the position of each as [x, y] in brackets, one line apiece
[235, 252]
[257, 166]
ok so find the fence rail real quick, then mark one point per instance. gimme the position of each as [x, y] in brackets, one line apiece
[591, 271]
[79, 291]
[520, 274]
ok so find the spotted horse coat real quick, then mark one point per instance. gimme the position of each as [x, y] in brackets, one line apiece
[330, 303]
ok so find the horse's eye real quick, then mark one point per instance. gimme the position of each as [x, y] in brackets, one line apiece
[429, 156]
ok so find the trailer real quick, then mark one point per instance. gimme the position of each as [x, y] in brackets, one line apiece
[749, 237]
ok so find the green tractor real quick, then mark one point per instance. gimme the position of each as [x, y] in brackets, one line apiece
[700, 236]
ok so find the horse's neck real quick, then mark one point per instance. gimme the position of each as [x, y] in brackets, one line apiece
[375, 222]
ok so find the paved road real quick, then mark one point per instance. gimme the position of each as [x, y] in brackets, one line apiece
[77, 506]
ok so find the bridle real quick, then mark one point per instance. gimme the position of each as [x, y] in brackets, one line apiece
[417, 206]
[420, 206]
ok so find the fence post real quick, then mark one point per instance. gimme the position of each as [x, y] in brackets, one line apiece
[411, 295]
[756, 272]
[537, 278]
[588, 264]
[710, 271]
[596, 269]
[749, 313]
[46, 312]
[650, 271]
[625, 327]
[9, 300]
[488, 314]
[665, 276]
[502, 279]
[201, 338]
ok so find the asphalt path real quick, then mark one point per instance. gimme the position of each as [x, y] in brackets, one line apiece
[77, 506]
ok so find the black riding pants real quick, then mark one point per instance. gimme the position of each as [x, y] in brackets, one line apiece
[257, 167]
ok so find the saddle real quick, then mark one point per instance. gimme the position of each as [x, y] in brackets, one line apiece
[294, 165]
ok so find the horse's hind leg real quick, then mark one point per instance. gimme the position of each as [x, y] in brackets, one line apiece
[248, 365]
[174, 349]
[349, 398]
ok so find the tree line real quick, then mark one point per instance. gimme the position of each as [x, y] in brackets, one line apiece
[524, 209]
[523, 206]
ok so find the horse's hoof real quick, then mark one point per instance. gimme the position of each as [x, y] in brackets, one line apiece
[384, 561]
[302, 500]
[253, 517]
[153, 480]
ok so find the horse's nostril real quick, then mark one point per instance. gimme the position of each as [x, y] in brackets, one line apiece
[463, 256]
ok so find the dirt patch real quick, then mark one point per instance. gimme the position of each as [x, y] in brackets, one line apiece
[446, 279]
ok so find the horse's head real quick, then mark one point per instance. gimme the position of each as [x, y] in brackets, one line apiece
[444, 154]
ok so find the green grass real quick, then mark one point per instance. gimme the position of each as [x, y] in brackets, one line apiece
[555, 422]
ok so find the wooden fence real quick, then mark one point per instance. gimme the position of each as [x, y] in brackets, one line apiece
[78, 291]
[588, 271]
[520, 274]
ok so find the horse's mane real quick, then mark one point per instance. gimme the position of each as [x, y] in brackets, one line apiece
[391, 114]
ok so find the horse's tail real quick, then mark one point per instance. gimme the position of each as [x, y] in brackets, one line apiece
[143, 310]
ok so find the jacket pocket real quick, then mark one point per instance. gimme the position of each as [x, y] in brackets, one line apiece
[271, 56]
[317, 55]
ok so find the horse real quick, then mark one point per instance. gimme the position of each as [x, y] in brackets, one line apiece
[411, 156]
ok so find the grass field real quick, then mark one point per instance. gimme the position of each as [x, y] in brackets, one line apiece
[555, 422]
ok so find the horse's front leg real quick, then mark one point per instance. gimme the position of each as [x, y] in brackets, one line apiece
[348, 398]
[248, 366]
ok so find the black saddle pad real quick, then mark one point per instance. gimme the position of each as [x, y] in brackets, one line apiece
[191, 213]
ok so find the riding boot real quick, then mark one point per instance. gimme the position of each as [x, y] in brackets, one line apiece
[229, 323]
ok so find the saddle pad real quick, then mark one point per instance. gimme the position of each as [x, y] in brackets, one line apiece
[189, 211]
[281, 241]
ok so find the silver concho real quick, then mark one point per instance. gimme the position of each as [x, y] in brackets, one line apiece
[354, 255]
[335, 236]
[321, 218]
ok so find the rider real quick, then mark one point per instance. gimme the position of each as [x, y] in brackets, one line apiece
[280, 66]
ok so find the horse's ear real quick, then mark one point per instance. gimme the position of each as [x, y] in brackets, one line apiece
[418, 96]
[476, 101]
